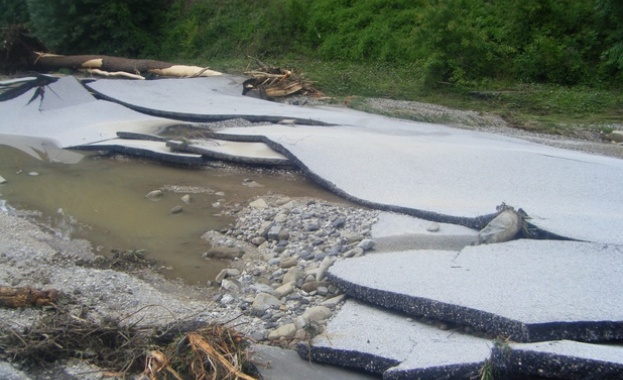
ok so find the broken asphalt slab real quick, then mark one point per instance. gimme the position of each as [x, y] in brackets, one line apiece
[156, 150]
[255, 153]
[457, 176]
[396, 232]
[276, 363]
[402, 348]
[524, 290]
[395, 346]
[558, 360]
[197, 100]
[65, 115]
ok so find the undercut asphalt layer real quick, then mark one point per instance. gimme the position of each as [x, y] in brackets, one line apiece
[555, 293]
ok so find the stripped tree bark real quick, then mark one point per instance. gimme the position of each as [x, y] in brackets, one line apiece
[19, 51]
[105, 65]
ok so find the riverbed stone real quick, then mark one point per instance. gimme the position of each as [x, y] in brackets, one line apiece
[2, 180]
[154, 195]
[176, 210]
[283, 235]
[338, 222]
[288, 262]
[351, 237]
[273, 232]
[366, 244]
[284, 331]
[616, 135]
[282, 201]
[261, 288]
[285, 289]
[314, 285]
[264, 228]
[355, 252]
[258, 240]
[291, 275]
[227, 272]
[433, 227]
[230, 285]
[187, 199]
[264, 301]
[281, 217]
[334, 301]
[259, 203]
[223, 252]
[317, 313]
[324, 266]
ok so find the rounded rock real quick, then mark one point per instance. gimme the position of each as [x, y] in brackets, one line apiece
[366, 244]
[264, 301]
[288, 262]
[284, 331]
[317, 313]
[154, 195]
[433, 227]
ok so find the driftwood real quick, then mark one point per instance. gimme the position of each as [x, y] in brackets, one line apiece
[102, 64]
[26, 297]
[275, 82]
[21, 52]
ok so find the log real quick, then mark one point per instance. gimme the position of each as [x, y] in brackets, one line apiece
[53, 62]
[16, 297]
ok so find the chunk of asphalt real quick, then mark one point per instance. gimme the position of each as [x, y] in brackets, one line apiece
[255, 153]
[286, 365]
[200, 99]
[396, 346]
[562, 359]
[524, 290]
[156, 150]
[63, 115]
[399, 232]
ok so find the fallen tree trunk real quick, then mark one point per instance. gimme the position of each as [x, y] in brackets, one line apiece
[26, 297]
[105, 63]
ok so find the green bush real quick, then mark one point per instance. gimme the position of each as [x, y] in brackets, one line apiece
[221, 28]
[115, 27]
[13, 12]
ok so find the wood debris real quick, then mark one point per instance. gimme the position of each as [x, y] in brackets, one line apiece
[274, 82]
[26, 297]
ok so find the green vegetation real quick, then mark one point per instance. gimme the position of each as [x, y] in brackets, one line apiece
[541, 64]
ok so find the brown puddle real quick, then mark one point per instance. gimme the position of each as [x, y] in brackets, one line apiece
[103, 200]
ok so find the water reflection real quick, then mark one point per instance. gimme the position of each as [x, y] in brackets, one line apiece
[104, 200]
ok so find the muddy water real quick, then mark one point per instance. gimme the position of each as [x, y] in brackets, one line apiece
[103, 199]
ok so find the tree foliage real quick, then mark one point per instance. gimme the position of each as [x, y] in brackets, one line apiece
[114, 27]
[13, 12]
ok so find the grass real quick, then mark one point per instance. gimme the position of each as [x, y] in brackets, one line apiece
[543, 108]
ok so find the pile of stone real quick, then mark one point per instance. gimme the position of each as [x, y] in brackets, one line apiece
[284, 248]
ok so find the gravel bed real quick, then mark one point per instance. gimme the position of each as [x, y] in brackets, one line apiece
[275, 291]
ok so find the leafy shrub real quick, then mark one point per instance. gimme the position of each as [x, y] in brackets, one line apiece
[13, 12]
[98, 26]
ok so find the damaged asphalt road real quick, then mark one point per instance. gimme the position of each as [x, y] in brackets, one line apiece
[427, 171]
